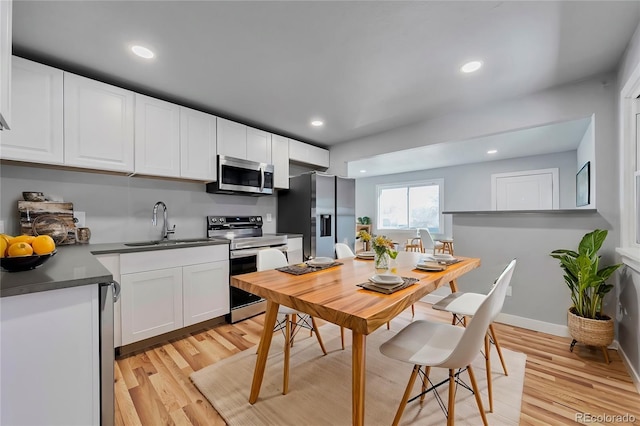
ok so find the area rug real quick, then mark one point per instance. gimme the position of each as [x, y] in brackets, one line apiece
[320, 387]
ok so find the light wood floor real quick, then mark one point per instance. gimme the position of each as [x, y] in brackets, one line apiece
[153, 387]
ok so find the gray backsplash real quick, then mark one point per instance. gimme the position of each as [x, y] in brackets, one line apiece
[119, 208]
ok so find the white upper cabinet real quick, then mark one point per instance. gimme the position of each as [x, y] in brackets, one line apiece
[197, 145]
[157, 137]
[308, 154]
[258, 145]
[232, 138]
[36, 133]
[98, 125]
[5, 64]
[280, 160]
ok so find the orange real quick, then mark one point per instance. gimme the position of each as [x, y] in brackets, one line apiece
[22, 239]
[20, 249]
[6, 237]
[43, 244]
[3, 247]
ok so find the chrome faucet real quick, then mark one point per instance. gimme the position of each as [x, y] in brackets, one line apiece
[165, 225]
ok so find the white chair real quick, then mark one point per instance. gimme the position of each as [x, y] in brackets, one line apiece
[343, 250]
[271, 259]
[428, 243]
[427, 344]
[463, 305]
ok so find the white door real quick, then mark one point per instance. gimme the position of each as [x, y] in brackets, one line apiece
[151, 303]
[36, 129]
[157, 141]
[280, 161]
[98, 125]
[205, 289]
[526, 190]
[258, 145]
[197, 145]
[232, 138]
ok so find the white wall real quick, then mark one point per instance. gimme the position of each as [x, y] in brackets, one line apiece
[119, 208]
[540, 295]
[628, 290]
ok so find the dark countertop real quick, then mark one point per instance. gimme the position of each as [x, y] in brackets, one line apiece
[76, 265]
[72, 266]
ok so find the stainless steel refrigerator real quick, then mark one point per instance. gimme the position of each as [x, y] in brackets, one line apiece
[321, 207]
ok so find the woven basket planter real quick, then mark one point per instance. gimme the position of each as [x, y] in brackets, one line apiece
[592, 332]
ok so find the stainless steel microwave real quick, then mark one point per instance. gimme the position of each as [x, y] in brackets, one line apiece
[244, 177]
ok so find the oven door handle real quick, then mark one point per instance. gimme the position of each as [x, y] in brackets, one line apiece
[238, 254]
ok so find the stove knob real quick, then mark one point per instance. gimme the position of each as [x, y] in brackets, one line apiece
[221, 219]
[252, 219]
[214, 219]
[259, 218]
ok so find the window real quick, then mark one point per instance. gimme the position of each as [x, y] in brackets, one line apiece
[411, 205]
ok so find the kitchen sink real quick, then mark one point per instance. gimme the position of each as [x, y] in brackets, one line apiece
[167, 242]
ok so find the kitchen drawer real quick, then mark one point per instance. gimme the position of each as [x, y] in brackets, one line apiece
[170, 258]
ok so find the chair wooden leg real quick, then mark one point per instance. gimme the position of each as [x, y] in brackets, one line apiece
[476, 393]
[294, 325]
[315, 328]
[495, 341]
[487, 363]
[413, 311]
[342, 337]
[427, 371]
[451, 408]
[388, 325]
[405, 397]
[287, 351]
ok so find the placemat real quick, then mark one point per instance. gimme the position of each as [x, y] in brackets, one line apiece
[303, 268]
[373, 287]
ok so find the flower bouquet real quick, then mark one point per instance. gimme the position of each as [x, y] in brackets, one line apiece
[383, 248]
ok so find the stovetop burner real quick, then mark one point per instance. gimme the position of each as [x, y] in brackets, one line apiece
[242, 232]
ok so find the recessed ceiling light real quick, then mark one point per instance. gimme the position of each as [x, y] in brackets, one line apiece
[143, 52]
[471, 66]
[363, 171]
[492, 151]
[317, 123]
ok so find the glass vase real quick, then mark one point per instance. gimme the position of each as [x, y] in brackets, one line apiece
[381, 260]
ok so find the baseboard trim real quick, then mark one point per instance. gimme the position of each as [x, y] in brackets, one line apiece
[627, 363]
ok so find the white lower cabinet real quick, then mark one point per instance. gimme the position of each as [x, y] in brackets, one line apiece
[49, 362]
[165, 290]
[202, 288]
[151, 304]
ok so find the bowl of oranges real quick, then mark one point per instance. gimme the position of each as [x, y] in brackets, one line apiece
[25, 252]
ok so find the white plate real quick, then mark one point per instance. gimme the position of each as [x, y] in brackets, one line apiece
[430, 267]
[366, 255]
[443, 256]
[320, 261]
[386, 279]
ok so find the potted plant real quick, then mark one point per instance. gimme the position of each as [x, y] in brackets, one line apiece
[587, 283]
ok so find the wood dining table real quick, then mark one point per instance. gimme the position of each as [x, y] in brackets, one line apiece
[332, 294]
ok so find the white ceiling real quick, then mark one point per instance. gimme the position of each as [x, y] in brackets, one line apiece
[552, 138]
[363, 67]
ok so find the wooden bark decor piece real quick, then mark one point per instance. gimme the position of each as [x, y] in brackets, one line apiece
[50, 218]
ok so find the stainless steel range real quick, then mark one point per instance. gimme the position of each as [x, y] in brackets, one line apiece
[245, 237]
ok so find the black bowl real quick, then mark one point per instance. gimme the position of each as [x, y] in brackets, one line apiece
[24, 263]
